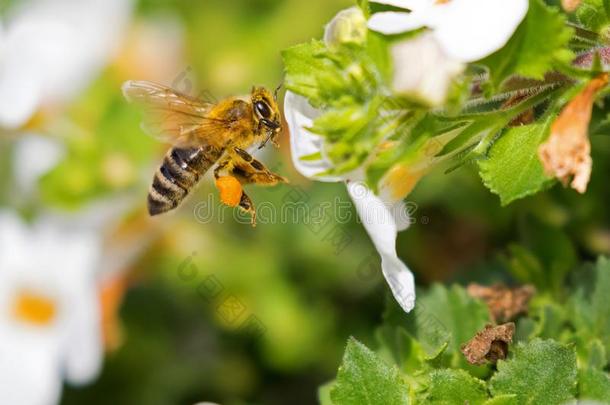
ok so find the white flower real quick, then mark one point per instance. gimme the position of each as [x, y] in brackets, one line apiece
[34, 155]
[430, 78]
[466, 30]
[382, 217]
[50, 50]
[49, 309]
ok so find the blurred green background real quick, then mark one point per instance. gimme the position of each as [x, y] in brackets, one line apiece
[216, 310]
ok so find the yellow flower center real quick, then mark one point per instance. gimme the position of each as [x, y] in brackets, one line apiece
[33, 308]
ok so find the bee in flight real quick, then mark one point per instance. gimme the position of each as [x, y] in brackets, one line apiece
[204, 134]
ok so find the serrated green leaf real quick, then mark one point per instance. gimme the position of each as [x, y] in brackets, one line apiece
[590, 311]
[551, 319]
[592, 14]
[402, 348]
[539, 43]
[513, 169]
[594, 385]
[447, 316]
[449, 386]
[302, 67]
[540, 372]
[363, 379]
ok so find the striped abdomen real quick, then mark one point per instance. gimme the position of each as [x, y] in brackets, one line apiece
[179, 173]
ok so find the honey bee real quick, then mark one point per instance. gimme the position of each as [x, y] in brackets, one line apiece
[204, 134]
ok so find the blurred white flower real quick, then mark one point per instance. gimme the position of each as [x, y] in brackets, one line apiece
[382, 216]
[34, 155]
[466, 30]
[49, 309]
[428, 80]
[51, 49]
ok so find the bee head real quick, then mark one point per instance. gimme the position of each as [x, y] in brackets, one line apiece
[266, 113]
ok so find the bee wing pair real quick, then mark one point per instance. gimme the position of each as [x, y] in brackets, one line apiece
[174, 117]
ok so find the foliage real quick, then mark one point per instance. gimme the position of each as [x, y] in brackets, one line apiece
[550, 365]
[527, 81]
[497, 114]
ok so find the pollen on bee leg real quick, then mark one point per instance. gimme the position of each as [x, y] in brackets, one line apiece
[230, 190]
[33, 308]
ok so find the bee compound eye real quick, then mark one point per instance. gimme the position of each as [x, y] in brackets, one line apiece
[263, 109]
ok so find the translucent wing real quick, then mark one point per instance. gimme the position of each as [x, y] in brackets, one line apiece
[174, 117]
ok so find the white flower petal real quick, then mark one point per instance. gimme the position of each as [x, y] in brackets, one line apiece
[408, 4]
[63, 269]
[381, 226]
[400, 214]
[300, 114]
[84, 348]
[28, 373]
[469, 30]
[20, 91]
[382, 220]
[52, 50]
[430, 78]
[34, 156]
[393, 22]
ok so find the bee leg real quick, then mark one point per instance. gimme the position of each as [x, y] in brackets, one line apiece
[251, 171]
[222, 165]
[245, 204]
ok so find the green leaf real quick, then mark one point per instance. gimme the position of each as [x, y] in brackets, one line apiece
[594, 385]
[536, 47]
[551, 319]
[364, 379]
[302, 67]
[590, 311]
[513, 169]
[443, 319]
[401, 347]
[540, 372]
[593, 14]
[455, 387]
[503, 400]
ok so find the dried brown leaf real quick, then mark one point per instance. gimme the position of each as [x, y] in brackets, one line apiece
[490, 344]
[504, 303]
[567, 152]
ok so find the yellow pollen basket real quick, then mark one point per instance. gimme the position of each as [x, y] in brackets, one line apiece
[33, 308]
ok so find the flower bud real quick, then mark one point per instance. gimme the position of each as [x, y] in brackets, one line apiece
[348, 26]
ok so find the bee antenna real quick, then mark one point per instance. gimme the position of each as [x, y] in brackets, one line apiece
[277, 89]
[269, 135]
